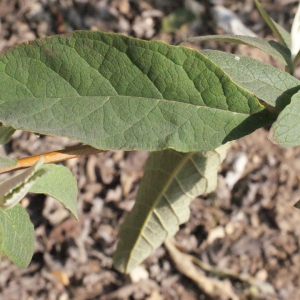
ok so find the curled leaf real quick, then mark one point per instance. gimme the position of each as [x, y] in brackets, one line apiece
[13, 190]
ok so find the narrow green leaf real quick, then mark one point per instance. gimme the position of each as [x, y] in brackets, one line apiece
[6, 162]
[2, 234]
[171, 181]
[5, 134]
[13, 190]
[267, 83]
[286, 130]
[114, 92]
[18, 235]
[271, 47]
[280, 33]
[60, 184]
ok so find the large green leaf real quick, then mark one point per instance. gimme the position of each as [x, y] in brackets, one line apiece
[286, 130]
[115, 92]
[60, 184]
[282, 35]
[171, 180]
[269, 84]
[18, 235]
[271, 47]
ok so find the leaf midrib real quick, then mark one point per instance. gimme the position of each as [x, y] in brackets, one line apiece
[132, 98]
[186, 157]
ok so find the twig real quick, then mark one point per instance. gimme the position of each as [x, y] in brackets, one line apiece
[186, 259]
[213, 287]
[227, 273]
[53, 157]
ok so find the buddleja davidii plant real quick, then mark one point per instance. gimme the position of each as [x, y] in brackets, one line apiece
[179, 177]
[109, 91]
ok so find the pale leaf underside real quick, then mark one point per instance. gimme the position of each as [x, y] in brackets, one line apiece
[171, 181]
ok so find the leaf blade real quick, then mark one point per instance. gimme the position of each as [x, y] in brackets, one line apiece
[60, 184]
[135, 81]
[19, 235]
[285, 131]
[178, 178]
[267, 83]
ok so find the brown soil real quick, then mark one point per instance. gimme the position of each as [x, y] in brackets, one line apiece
[246, 232]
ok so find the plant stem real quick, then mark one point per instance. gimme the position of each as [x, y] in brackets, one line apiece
[53, 157]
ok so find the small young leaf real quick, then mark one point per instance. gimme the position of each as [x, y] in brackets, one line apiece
[280, 33]
[60, 184]
[6, 162]
[271, 47]
[171, 181]
[5, 134]
[115, 92]
[18, 235]
[267, 83]
[13, 190]
[286, 130]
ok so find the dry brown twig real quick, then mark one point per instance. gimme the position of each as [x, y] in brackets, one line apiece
[213, 287]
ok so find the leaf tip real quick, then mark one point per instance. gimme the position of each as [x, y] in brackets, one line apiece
[297, 204]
